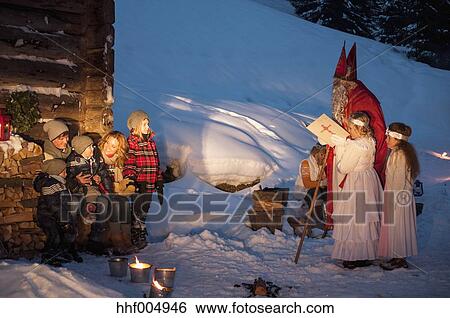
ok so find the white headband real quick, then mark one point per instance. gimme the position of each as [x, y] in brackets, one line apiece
[396, 135]
[358, 122]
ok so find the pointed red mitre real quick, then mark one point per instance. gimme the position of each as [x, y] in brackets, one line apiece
[341, 67]
[351, 64]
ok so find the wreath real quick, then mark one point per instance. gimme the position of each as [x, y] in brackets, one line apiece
[24, 110]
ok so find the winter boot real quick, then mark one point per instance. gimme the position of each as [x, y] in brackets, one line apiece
[394, 264]
[349, 264]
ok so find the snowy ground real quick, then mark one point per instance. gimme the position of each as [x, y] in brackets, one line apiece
[217, 78]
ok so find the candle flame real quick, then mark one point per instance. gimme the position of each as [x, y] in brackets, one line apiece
[138, 264]
[157, 285]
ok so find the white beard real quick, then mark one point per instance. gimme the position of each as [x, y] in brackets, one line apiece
[339, 102]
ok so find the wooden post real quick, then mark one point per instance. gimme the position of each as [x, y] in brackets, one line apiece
[311, 209]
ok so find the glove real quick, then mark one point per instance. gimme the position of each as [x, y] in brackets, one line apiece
[338, 140]
[160, 190]
[126, 186]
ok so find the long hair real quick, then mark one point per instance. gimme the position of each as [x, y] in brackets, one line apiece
[123, 146]
[412, 162]
[362, 116]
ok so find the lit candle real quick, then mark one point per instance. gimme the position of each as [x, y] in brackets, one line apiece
[140, 272]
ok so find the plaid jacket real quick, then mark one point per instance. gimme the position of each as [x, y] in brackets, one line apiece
[142, 164]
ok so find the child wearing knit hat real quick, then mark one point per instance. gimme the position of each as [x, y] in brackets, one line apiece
[57, 144]
[53, 214]
[87, 175]
[142, 166]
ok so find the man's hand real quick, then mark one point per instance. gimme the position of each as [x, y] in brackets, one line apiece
[84, 179]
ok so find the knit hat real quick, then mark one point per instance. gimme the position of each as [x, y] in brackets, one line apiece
[136, 118]
[54, 166]
[54, 128]
[80, 143]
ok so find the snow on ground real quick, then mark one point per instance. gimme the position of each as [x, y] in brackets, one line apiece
[217, 78]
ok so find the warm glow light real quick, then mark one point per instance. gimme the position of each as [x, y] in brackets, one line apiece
[157, 285]
[139, 265]
[443, 155]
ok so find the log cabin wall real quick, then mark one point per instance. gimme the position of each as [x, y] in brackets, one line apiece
[62, 50]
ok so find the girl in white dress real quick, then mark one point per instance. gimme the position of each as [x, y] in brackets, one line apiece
[356, 213]
[398, 232]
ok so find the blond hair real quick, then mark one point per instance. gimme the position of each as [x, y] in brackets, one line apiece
[412, 162]
[123, 146]
[365, 130]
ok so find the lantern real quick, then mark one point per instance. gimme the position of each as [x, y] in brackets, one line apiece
[5, 126]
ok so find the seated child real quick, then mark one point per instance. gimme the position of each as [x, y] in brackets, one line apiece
[307, 181]
[52, 214]
[88, 175]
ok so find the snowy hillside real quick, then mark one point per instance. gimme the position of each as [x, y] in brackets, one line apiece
[229, 86]
[185, 63]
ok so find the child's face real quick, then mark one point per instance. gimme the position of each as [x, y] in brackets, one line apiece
[391, 142]
[88, 152]
[145, 129]
[353, 131]
[61, 141]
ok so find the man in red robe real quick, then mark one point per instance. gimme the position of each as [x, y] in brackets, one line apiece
[351, 95]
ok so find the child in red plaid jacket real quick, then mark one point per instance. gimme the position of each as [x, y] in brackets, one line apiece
[142, 166]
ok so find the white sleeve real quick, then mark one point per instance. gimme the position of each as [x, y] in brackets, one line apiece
[397, 174]
[351, 152]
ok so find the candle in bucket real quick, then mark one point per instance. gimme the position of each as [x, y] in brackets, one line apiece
[163, 281]
[140, 272]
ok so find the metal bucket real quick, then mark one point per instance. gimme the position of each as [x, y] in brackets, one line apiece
[140, 275]
[165, 276]
[118, 266]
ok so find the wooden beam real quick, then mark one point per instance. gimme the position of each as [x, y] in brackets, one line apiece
[98, 35]
[42, 21]
[75, 6]
[39, 74]
[100, 12]
[15, 41]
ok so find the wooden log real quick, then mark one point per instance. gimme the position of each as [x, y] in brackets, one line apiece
[98, 35]
[15, 182]
[16, 218]
[31, 160]
[14, 41]
[97, 58]
[8, 204]
[100, 12]
[42, 20]
[78, 6]
[39, 74]
[97, 83]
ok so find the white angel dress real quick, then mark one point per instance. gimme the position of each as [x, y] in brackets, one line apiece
[357, 204]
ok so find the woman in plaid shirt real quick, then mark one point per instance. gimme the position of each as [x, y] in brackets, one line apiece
[142, 166]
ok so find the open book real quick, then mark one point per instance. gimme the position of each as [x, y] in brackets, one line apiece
[324, 127]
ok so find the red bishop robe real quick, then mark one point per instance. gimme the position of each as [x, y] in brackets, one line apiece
[361, 99]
